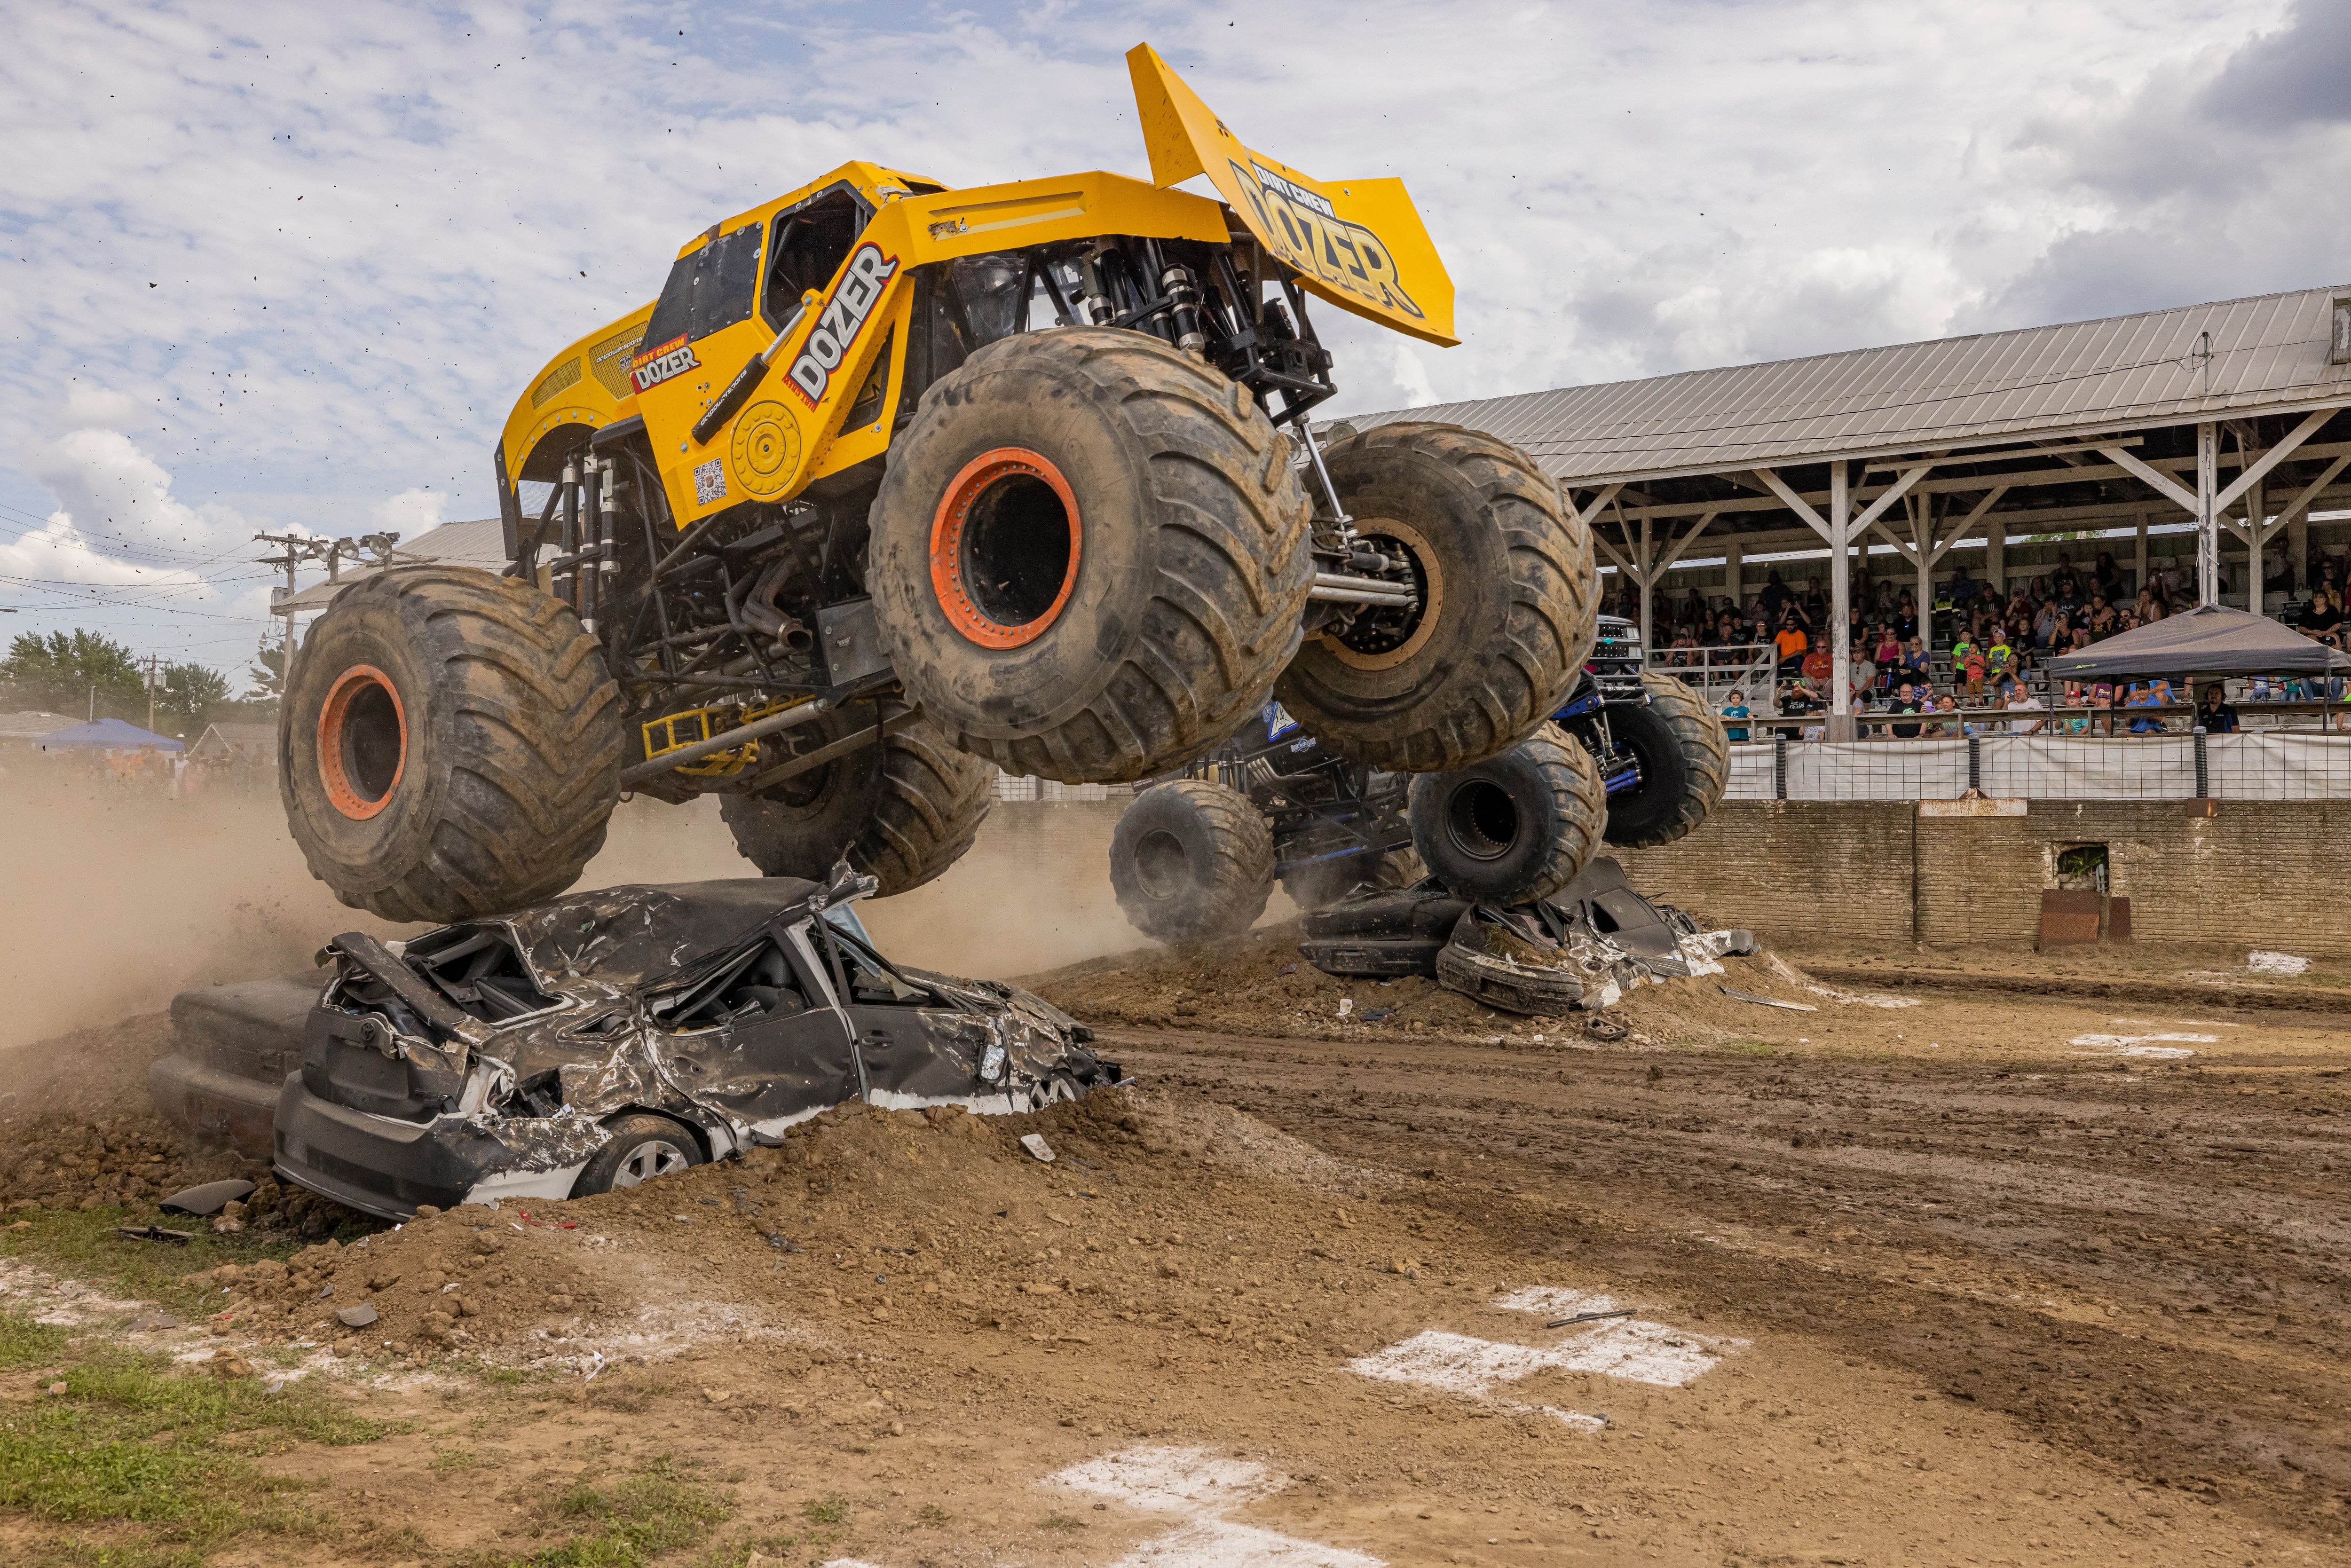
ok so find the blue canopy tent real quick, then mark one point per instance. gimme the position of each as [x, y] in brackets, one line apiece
[106, 735]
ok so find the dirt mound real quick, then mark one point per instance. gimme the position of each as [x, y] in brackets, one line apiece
[1258, 984]
[864, 1223]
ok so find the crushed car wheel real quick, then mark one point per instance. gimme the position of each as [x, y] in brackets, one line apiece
[1089, 555]
[1509, 597]
[449, 744]
[1684, 760]
[1191, 862]
[903, 811]
[643, 1147]
[1514, 828]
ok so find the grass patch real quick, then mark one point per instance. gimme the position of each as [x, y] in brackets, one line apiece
[139, 1442]
[933, 1517]
[1062, 1521]
[625, 1523]
[825, 1510]
[83, 1244]
[70, 1553]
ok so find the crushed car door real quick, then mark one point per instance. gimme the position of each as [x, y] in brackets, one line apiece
[754, 1040]
[911, 1041]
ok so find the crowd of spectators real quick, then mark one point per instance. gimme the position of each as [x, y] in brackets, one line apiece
[1997, 642]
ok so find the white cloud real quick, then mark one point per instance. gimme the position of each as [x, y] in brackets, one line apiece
[311, 253]
[412, 512]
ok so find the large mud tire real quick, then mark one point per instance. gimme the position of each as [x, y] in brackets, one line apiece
[449, 746]
[1514, 828]
[1089, 555]
[1684, 758]
[1191, 862]
[1509, 597]
[903, 811]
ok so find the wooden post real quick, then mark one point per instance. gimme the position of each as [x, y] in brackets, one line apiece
[1840, 725]
[1734, 575]
[1996, 557]
[1647, 557]
[2139, 568]
[2253, 521]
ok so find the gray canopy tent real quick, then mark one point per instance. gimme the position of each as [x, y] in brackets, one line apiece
[2210, 640]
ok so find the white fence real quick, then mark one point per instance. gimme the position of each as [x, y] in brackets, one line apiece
[2275, 766]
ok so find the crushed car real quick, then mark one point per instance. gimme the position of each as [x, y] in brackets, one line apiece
[1581, 950]
[602, 1038]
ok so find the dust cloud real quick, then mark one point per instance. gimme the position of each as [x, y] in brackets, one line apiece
[116, 900]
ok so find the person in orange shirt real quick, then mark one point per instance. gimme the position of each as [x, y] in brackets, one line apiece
[1791, 642]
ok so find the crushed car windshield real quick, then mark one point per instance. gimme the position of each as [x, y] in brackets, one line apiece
[868, 977]
[479, 968]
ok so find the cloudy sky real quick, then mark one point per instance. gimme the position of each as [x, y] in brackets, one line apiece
[274, 266]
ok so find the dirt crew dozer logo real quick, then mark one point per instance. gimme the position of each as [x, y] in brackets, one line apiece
[844, 317]
[1303, 228]
[656, 365]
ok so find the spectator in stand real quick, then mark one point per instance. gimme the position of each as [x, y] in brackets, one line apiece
[1964, 588]
[1918, 663]
[2020, 699]
[1967, 666]
[1818, 665]
[1816, 606]
[1907, 702]
[2045, 624]
[1906, 614]
[1791, 642]
[2080, 641]
[2323, 617]
[1694, 611]
[1950, 704]
[1798, 701]
[1736, 708]
[1775, 598]
[2143, 695]
[2064, 583]
[1886, 656]
[2102, 617]
[2076, 720]
[2149, 608]
[1882, 600]
[2215, 716]
[2105, 578]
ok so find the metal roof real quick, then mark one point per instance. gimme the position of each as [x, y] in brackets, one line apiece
[2268, 355]
[481, 543]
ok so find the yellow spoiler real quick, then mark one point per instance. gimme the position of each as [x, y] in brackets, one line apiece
[1358, 243]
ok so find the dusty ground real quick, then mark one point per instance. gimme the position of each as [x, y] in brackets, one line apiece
[1920, 1276]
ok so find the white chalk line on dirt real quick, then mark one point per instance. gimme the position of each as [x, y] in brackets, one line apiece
[1199, 1486]
[1634, 1349]
[2142, 1045]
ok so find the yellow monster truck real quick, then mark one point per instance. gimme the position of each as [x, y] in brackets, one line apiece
[894, 483]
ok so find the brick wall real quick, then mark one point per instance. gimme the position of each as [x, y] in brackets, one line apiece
[1834, 871]
[2262, 874]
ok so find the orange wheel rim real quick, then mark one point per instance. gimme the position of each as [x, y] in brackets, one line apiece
[995, 544]
[362, 742]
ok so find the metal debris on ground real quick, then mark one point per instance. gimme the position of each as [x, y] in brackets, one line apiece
[210, 1199]
[155, 1233]
[1591, 1317]
[1739, 996]
[1036, 1144]
[1584, 948]
[357, 1317]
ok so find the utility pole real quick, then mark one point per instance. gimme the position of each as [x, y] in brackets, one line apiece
[298, 548]
[154, 686]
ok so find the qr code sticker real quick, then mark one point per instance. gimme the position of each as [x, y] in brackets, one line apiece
[709, 483]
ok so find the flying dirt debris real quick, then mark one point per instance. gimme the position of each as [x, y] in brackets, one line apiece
[1584, 948]
[603, 1038]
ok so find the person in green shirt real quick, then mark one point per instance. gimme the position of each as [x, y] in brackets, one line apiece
[2000, 658]
[1968, 663]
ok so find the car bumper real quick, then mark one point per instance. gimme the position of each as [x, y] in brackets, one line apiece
[207, 1103]
[378, 1165]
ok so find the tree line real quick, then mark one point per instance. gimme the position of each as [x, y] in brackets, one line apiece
[71, 671]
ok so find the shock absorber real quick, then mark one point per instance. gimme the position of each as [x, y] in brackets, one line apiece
[568, 557]
[608, 531]
[592, 510]
[1097, 303]
[1183, 292]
